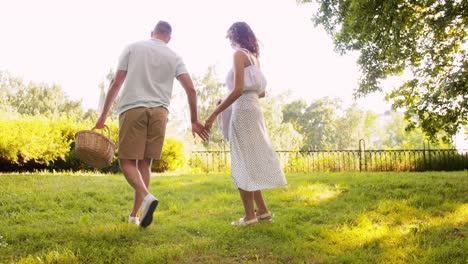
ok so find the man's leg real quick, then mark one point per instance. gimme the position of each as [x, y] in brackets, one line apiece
[135, 179]
[144, 168]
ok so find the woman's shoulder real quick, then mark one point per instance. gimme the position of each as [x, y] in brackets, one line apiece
[244, 57]
[238, 53]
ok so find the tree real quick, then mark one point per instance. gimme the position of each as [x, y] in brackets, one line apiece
[36, 99]
[8, 86]
[315, 122]
[282, 134]
[209, 91]
[371, 132]
[425, 37]
[102, 87]
[350, 128]
[396, 135]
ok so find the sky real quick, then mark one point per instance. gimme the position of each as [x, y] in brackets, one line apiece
[75, 43]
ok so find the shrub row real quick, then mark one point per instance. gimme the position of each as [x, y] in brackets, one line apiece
[32, 143]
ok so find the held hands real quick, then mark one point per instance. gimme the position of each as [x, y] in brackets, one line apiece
[200, 130]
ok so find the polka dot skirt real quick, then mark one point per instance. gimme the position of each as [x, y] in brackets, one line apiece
[255, 165]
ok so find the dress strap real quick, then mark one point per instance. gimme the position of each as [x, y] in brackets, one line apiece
[247, 52]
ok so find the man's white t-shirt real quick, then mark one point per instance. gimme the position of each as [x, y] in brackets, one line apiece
[151, 68]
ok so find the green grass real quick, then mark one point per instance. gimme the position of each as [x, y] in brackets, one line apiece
[319, 218]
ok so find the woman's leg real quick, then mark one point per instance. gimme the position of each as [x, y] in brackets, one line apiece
[261, 206]
[248, 201]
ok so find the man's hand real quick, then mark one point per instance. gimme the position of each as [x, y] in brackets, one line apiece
[199, 129]
[100, 122]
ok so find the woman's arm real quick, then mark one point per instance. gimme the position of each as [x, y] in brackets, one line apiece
[239, 65]
[239, 61]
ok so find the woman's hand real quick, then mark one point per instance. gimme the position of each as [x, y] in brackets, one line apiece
[209, 122]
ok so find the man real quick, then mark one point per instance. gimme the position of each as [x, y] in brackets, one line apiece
[148, 68]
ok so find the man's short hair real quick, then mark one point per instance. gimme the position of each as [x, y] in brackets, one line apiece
[163, 28]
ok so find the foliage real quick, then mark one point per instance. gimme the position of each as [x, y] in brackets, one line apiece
[324, 125]
[36, 99]
[397, 136]
[172, 158]
[209, 162]
[210, 91]
[29, 143]
[428, 38]
[315, 121]
[318, 218]
[8, 85]
[371, 129]
[282, 134]
[350, 128]
[32, 139]
[102, 97]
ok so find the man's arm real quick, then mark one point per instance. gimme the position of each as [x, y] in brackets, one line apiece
[114, 88]
[187, 84]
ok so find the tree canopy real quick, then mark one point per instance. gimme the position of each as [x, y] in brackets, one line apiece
[425, 38]
[35, 99]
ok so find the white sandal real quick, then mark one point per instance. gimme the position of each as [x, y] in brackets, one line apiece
[265, 217]
[242, 222]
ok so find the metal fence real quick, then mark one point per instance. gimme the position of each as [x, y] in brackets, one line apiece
[347, 160]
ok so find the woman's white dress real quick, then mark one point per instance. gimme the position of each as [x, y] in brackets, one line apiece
[255, 165]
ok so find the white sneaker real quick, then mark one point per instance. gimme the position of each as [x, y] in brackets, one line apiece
[134, 219]
[147, 209]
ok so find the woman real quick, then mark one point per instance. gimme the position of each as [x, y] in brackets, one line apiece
[255, 165]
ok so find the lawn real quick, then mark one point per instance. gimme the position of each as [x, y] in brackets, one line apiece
[319, 218]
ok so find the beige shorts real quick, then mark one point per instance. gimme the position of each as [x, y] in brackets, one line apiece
[141, 133]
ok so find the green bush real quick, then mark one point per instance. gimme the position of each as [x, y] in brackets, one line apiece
[31, 143]
[209, 161]
[172, 158]
[26, 139]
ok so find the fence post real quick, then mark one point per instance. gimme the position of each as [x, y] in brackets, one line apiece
[429, 153]
[362, 151]
[424, 155]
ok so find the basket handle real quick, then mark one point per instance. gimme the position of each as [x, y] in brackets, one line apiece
[108, 130]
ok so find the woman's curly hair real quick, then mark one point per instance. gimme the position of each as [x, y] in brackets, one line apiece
[242, 34]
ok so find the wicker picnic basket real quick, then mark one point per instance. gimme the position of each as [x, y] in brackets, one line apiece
[94, 148]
